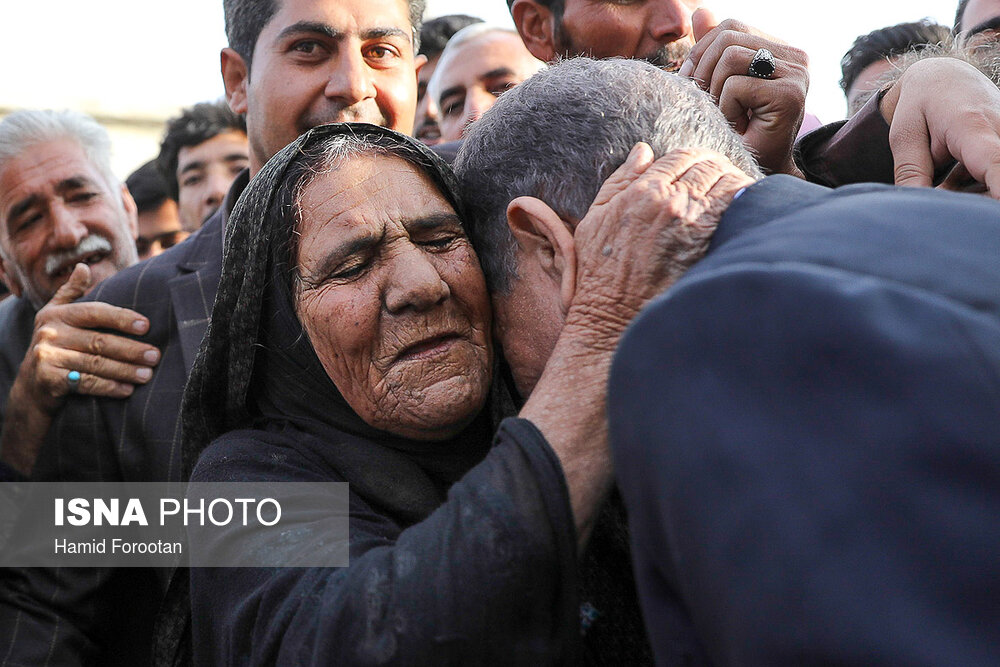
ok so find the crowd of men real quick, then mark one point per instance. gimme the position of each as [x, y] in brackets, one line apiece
[112, 286]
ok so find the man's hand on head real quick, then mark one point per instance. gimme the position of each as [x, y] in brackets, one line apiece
[650, 222]
[940, 110]
[766, 112]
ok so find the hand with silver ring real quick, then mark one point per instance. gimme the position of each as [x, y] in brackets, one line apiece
[762, 66]
[758, 81]
[73, 379]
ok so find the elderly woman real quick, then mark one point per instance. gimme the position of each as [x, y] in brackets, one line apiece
[350, 342]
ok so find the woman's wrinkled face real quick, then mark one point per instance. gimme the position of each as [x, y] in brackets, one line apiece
[392, 298]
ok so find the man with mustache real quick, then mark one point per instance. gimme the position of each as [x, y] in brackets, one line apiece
[60, 207]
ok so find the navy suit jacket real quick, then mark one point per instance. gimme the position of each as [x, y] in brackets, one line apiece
[103, 616]
[806, 430]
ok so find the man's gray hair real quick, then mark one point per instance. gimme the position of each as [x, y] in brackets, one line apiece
[560, 134]
[23, 129]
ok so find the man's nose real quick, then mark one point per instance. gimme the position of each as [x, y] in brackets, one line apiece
[218, 184]
[350, 79]
[669, 20]
[67, 228]
[476, 104]
[414, 282]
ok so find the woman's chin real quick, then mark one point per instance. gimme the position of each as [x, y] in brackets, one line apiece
[439, 410]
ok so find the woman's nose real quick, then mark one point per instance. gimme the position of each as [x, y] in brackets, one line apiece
[414, 282]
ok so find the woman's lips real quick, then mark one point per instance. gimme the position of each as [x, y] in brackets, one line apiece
[429, 347]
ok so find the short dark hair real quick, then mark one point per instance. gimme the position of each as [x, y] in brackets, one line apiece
[148, 187]
[554, 6]
[245, 19]
[194, 126]
[888, 43]
[434, 34]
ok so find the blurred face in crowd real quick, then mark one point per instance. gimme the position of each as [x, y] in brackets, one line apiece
[426, 127]
[472, 75]
[866, 81]
[392, 297]
[324, 61]
[159, 229]
[655, 30]
[204, 174]
[56, 210]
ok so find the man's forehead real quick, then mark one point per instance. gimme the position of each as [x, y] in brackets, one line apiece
[46, 168]
[341, 14]
[483, 56]
[226, 146]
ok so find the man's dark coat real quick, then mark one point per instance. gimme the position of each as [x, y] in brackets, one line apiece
[806, 430]
[67, 616]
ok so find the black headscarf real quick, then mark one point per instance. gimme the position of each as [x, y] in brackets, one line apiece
[256, 367]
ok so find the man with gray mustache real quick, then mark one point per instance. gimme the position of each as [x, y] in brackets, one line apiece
[66, 223]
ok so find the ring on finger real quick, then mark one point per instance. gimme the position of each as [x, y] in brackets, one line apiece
[73, 380]
[762, 66]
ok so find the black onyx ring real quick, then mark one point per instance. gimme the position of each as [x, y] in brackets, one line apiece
[762, 66]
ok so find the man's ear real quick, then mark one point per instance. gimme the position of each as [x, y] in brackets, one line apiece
[9, 278]
[418, 64]
[131, 211]
[235, 77]
[536, 25]
[539, 231]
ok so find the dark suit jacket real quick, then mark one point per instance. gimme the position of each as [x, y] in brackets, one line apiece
[17, 325]
[806, 430]
[76, 616]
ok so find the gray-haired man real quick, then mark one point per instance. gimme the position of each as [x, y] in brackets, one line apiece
[60, 206]
[804, 426]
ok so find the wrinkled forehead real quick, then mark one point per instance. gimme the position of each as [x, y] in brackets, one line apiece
[368, 189]
[340, 15]
[45, 169]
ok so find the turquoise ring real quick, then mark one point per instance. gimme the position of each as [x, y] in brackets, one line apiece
[73, 378]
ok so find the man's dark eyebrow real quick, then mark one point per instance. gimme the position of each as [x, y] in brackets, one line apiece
[378, 33]
[18, 209]
[497, 73]
[73, 183]
[314, 27]
[191, 166]
[989, 24]
[492, 74]
[448, 92]
[200, 164]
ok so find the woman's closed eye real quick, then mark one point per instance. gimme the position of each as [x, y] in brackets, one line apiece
[439, 241]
